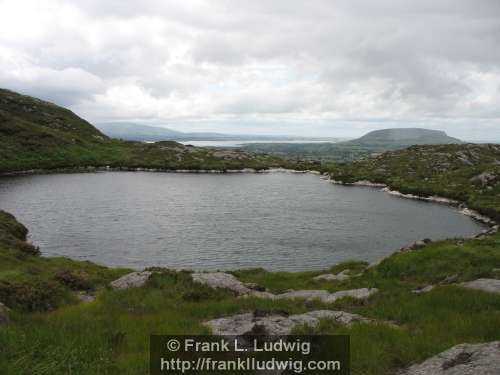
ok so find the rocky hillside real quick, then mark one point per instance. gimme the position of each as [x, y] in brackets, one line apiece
[35, 134]
[468, 172]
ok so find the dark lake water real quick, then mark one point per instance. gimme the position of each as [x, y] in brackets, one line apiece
[277, 221]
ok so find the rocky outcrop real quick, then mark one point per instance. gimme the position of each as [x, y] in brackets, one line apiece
[228, 281]
[486, 285]
[323, 295]
[4, 314]
[276, 324]
[359, 183]
[464, 359]
[428, 199]
[477, 216]
[344, 275]
[131, 280]
[221, 280]
[425, 289]
[416, 245]
[487, 232]
[484, 178]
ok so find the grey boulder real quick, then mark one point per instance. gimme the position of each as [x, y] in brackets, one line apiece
[275, 324]
[131, 280]
[464, 359]
[486, 285]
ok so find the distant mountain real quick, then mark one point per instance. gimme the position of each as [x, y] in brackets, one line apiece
[403, 137]
[138, 132]
[371, 143]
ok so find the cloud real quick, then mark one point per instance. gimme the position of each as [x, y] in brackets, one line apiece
[333, 67]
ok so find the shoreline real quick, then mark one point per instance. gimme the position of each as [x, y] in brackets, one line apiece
[462, 206]
[92, 169]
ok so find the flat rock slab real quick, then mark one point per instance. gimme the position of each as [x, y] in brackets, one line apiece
[425, 289]
[464, 359]
[487, 285]
[228, 281]
[327, 297]
[221, 280]
[131, 280]
[243, 324]
[344, 275]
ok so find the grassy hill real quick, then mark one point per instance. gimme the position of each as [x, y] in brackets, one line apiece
[35, 134]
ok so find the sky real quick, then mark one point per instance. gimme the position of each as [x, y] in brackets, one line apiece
[309, 68]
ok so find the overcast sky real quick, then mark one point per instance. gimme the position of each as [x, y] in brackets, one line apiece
[315, 67]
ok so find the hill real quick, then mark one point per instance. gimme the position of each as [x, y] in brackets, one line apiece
[35, 134]
[403, 137]
[374, 142]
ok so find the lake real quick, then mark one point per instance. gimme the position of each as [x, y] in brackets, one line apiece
[277, 221]
[241, 143]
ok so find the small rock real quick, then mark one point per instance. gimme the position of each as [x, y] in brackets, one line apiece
[221, 280]
[417, 245]
[344, 275]
[449, 279]
[425, 289]
[464, 359]
[487, 285]
[4, 314]
[255, 286]
[484, 178]
[85, 297]
[131, 280]
[274, 324]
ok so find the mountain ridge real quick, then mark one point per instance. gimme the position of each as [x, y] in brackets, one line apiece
[139, 132]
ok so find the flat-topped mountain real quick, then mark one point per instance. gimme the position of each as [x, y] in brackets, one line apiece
[403, 137]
